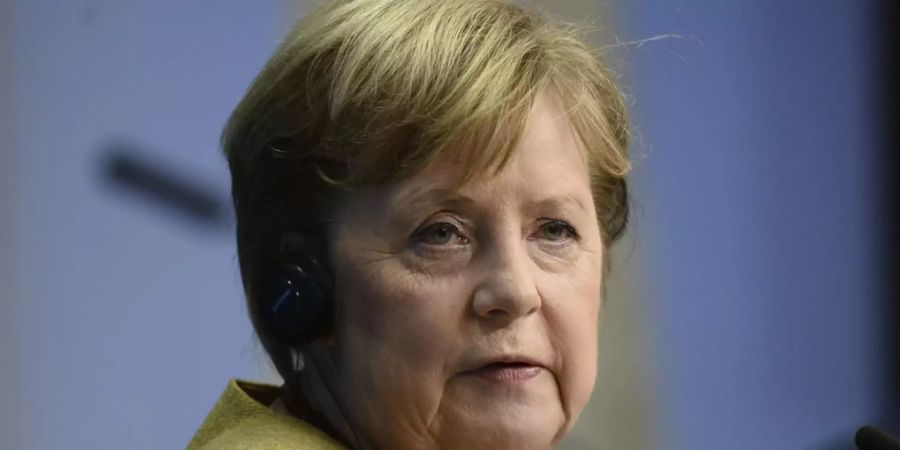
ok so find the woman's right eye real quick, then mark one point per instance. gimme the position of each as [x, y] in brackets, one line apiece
[440, 234]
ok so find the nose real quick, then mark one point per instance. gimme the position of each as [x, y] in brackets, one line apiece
[507, 290]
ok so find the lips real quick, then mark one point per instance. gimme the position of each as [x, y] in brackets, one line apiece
[507, 370]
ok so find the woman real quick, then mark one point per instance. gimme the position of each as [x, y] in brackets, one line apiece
[425, 194]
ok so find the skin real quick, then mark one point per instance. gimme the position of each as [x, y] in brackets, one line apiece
[434, 278]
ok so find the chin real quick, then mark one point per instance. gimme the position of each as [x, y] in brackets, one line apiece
[509, 428]
[524, 433]
[479, 413]
[506, 439]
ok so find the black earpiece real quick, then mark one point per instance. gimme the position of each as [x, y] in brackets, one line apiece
[295, 298]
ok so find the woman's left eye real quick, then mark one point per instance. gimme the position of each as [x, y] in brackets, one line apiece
[557, 230]
[440, 234]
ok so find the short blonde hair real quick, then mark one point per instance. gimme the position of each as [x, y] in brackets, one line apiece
[368, 91]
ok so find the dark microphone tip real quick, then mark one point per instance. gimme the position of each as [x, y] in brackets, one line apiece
[871, 438]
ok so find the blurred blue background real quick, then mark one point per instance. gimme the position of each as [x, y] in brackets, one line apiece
[758, 238]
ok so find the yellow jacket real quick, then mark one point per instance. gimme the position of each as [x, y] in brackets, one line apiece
[242, 419]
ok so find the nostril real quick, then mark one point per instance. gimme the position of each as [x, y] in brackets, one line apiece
[502, 299]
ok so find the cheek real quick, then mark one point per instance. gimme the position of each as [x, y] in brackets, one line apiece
[397, 316]
[573, 320]
[581, 367]
[396, 334]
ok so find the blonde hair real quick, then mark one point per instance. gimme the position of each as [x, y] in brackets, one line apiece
[367, 91]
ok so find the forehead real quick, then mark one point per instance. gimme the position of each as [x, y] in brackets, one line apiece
[546, 174]
[548, 159]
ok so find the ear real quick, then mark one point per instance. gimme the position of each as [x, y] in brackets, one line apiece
[294, 297]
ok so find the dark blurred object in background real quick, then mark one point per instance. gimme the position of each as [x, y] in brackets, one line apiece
[131, 170]
[871, 438]
[890, 53]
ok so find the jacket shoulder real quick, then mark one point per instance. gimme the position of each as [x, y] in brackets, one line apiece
[257, 433]
[242, 419]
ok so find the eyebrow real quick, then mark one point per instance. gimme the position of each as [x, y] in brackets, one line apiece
[425, 197]
[555, 200]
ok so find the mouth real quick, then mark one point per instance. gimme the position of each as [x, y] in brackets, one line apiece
[507, 372]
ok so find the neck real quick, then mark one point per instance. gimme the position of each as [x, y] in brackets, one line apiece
[317, 399]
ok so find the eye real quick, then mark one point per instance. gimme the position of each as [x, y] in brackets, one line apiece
[557, 230]
[439, 234]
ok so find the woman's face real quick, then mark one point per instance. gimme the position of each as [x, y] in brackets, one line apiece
[467, 315]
